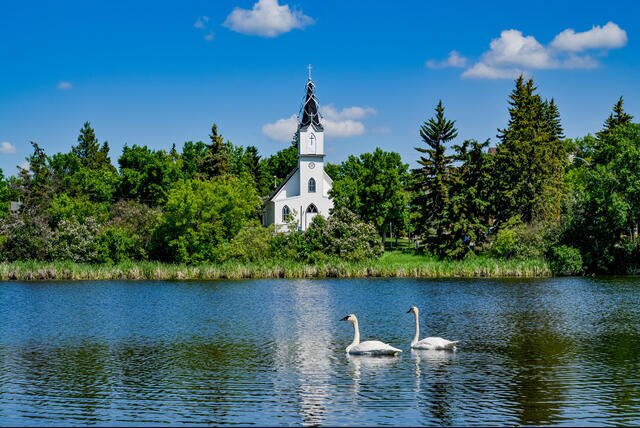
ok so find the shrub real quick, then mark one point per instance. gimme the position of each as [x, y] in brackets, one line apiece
[565, 260]
[25, 236]
[251, 244]
[517, 240]
[115, 245]
[75, 241]
[344, 235]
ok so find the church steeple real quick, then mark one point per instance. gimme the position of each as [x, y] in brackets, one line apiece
[310, 109]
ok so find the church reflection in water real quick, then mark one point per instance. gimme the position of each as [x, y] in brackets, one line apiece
[303, 354]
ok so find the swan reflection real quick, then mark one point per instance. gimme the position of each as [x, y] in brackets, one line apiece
[368, 365]
[434, 397]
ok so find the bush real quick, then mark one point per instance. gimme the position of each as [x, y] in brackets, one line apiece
[251, 244]
[25, 236]
[565, 260]
[75, 241]
[115, 245]
[517, 240]
[343, 235]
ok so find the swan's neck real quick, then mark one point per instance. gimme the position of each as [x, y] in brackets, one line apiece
[416, 337]
[356, 334]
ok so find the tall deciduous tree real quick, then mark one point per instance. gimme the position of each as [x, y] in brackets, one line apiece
[432, 180]
[373, 186]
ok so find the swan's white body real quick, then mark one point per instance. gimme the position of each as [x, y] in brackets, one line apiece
[368, 347]
[429, 343]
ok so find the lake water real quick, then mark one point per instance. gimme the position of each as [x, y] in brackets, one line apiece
[271, 352]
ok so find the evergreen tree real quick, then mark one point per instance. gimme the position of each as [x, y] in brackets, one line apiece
[216, 161]
[617, 117]
[530, 158]
[88, 150]
[469, 210]
[432, 181]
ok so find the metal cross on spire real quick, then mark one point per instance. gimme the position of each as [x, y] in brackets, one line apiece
[309, 71]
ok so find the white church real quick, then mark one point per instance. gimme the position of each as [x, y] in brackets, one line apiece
[305, 192]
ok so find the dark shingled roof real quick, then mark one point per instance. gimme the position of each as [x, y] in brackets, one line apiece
[310, 114]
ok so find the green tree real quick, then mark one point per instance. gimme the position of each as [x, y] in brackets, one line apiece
[617, 117]
[469, 211]
[88, 150]
[216, 160]
[201, 215]
[373, 186]
[147, 175]
[530, 159]
[278, 166]
[432, 179]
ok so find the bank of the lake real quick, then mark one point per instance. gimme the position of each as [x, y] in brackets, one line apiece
[391, 264]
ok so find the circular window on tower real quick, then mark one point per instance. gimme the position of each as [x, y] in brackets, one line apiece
[312, 165]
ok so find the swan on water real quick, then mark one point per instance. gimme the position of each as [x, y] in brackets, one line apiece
[368, 347]
[428, 342]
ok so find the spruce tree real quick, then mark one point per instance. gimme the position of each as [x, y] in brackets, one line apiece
[216, 159]
[432, 181]
[617, 117]
[88, 150]
[530, 158]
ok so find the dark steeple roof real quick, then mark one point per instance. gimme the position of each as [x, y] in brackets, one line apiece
[310, 114]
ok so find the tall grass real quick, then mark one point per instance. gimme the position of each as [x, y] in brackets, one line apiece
[391, 264]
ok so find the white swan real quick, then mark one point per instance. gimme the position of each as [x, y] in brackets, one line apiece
[428, 342]
[369, 347]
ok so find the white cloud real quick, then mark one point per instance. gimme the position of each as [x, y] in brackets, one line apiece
[64, 86]
[454, 60]
[281, 129]
[610, 36]
[209, 36]
[331, 113]
[481, 70]
[337, 123]
[514, 49]
[267, 18]
[514, 53]
[6, 148]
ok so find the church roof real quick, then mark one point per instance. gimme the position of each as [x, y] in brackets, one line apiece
[286, 180]
[310, 109]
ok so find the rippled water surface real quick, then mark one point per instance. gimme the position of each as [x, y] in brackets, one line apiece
[271, 352]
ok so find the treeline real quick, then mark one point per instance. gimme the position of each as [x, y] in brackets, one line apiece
[534, 195]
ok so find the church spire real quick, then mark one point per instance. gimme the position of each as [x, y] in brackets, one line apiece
[310, 110]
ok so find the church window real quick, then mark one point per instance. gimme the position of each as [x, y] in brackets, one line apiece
[312, 209]
[312, 185]
[285, 213]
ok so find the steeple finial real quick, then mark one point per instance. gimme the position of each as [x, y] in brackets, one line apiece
[309, 67]
[310, 108]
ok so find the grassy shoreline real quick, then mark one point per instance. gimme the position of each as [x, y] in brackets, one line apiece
[392, 264]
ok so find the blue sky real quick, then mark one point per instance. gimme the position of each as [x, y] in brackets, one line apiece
[159, 73]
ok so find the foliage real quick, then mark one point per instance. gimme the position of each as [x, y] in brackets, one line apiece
[200, 215]
[116, 244]
[75, 241]
[25, 236]
[65, 207]
[519, 240]
[251, 244]
[432, 180]
[216, 161]
[343, 235]
[530, 159]
[373, 186]
[565, 260]
[147, 175]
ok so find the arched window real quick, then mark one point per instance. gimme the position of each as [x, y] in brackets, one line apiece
[285, 213]
[312, 209]
[312, 185]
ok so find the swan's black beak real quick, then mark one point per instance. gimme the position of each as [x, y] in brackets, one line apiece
[345, 318]
[409, 310]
